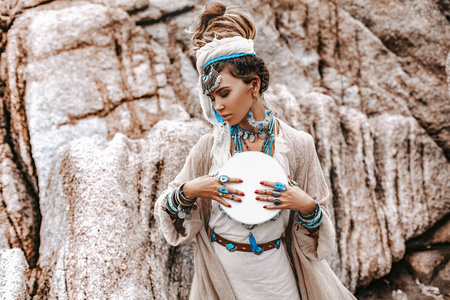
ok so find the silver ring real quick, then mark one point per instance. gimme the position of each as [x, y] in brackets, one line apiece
[223, 179]
[267, 198]
[276, 193]
[220, 195]
[277, 201]
[232, 197]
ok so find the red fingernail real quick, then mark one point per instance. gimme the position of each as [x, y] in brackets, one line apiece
[261, 182]
[257, 198]
[240, 180]
[229, 205]
[264, 206]
[243, 194]
[256, 192]
[239, 200]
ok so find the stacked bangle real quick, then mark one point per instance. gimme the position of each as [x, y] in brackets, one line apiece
[175, 206]
[311, 221]
[191, 201]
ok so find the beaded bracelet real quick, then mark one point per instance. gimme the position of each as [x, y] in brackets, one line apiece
[170, 207]
[312, 220]
[314, 223]
[313, 214]
[184, 197]
[175, 207]
[309, 222]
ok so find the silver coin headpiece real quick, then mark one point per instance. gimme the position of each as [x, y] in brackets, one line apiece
[210, 80]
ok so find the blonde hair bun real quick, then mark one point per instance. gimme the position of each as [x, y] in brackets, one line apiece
[219, 21]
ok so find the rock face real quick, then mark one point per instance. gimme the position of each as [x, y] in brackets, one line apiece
[13, 275]
[99, 109]
[19, 209]
[424, 272]
[99, 236]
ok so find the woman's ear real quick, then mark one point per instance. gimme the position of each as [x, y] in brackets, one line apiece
[256, 84]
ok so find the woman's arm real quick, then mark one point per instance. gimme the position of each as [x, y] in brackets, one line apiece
[320, 244]
[195, 184]
[175, 230]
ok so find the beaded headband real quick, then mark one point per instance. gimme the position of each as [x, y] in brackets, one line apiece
[210, 77]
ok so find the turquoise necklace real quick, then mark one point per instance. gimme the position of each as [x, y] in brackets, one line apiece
[240, 135]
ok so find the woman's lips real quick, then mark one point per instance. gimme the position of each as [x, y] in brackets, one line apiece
[227, 117]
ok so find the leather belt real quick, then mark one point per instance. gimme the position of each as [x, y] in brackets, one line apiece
[233, 246]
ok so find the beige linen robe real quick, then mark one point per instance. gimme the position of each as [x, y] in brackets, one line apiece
[307, 252]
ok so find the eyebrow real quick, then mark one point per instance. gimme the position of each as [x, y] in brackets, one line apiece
[219, 90]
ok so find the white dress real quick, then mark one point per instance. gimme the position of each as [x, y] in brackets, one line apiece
[265, 276]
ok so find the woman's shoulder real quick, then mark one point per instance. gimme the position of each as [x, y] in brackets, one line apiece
[298, 137]
[205, 142]
[206, 139]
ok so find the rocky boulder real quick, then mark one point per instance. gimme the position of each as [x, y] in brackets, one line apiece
[13, 275]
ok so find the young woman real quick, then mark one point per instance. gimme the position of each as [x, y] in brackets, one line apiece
[229, 262]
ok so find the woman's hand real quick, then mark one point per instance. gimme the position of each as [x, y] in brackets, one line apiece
[208, 187]
[293, 198]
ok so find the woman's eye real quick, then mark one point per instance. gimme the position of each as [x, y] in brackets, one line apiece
[224, 94]
[211, 98]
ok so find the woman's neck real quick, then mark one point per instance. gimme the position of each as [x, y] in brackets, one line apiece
[259, 114]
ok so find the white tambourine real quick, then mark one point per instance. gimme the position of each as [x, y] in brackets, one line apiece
[252, 167]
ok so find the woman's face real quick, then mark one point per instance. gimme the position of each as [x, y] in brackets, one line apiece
[232, 99]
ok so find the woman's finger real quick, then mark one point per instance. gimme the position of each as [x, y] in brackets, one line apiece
[277, 202]
[265, 198]
[235, 180]
[276, 185]
[267, 183]
[231, 191]
[275, 206]
[221, 201]
[268, 192]
[225, 179]
[232, 197]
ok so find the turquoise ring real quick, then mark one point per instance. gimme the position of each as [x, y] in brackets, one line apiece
[279, 186]
[224, 190]
[223, 179]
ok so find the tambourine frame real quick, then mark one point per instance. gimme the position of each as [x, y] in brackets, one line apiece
[252, 167]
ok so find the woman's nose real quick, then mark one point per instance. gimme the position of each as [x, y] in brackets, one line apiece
[219, 106]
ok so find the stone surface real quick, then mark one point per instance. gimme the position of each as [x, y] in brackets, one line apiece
[99, 238]
[439, 235]
[19, 210]
[424, 272]
[399, 284]
[121, 84]
[447, 68]
[19, 204]
[424, 263]
[442, 280]
[13, 275]
[159, 10]
[416, 33]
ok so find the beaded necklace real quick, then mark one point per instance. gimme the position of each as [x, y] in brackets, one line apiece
[240, 135]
